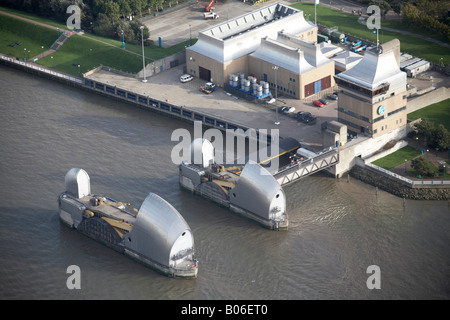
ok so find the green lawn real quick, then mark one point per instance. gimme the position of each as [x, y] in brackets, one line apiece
[348, 23]
[437, 113]
[90, 54]
[397, 158]
[152, 52]
[78, 49]
[33, 37]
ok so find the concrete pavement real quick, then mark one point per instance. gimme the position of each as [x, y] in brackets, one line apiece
[166, 86]
[181, 23]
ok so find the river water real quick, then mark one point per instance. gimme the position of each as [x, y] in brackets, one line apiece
[338, 228]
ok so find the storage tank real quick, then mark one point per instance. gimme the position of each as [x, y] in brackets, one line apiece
[259, 90]
[247, 85]
[235, 81]
[321, 38]
[266, 88]
[336, 36]
[230, 79]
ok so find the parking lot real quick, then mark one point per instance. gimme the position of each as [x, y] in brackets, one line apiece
[185, 21]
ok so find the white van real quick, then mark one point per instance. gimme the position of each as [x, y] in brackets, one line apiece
[186, 78]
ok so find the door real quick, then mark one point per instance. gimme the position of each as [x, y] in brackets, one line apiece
[204, 74]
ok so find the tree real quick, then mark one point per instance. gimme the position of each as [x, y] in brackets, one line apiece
[124, 8]
[422, 167]
[410, 14]
[424, 129]
[103, 26]
[112, 10]
[439, 138]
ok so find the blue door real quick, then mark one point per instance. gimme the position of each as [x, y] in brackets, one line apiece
[317, 86]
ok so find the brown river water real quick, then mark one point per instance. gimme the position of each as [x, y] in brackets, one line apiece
[337, 228]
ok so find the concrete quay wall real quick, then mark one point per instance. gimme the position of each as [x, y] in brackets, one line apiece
[121, 94]
[421, 101]
[398, 187]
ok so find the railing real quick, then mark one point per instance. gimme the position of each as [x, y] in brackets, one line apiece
[41, 69]
[409, 182]
[293, 172]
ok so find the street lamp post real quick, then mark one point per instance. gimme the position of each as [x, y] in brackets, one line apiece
[427, 154]
[143, 57]
[405, 164]
[276, 94]
[25, 54]
[444, 171]
[42, 51]
[78, 70]
[52, 60]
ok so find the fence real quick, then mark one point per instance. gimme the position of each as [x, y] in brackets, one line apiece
[37, 68]
[434, 183]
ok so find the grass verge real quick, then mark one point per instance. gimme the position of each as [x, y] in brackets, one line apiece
[89, 51]
[397, 158]
[90, 54]
[437, 113]
[32, 37]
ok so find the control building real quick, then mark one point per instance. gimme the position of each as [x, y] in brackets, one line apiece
[253, 44]
[372, 94]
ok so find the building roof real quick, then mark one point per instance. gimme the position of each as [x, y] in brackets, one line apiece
[291, 53]
[329, 50]
[377, 67]
[346, 59]
[242, 35]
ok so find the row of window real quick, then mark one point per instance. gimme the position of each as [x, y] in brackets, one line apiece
[365, 119]
[348, 123]
[280, 88]
[355, 115]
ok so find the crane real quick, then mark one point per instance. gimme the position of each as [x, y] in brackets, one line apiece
[210, 7]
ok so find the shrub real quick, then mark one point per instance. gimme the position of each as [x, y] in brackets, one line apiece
[423, 167]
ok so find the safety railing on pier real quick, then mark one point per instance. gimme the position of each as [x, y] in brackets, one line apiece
[409, 182]
[38, 68]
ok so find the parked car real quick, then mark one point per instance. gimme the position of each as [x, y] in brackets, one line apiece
[310, 120]
[318, 103]
[303, 115]
[287, 110]
[186, 78]
[333, 96]
[324, 101]
[298, 115]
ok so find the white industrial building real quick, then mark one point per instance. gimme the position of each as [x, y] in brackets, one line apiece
[253, 44]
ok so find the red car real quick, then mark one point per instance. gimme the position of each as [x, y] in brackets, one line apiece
[318, 103]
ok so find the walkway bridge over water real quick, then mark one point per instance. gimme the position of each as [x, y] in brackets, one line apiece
[293, 172]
